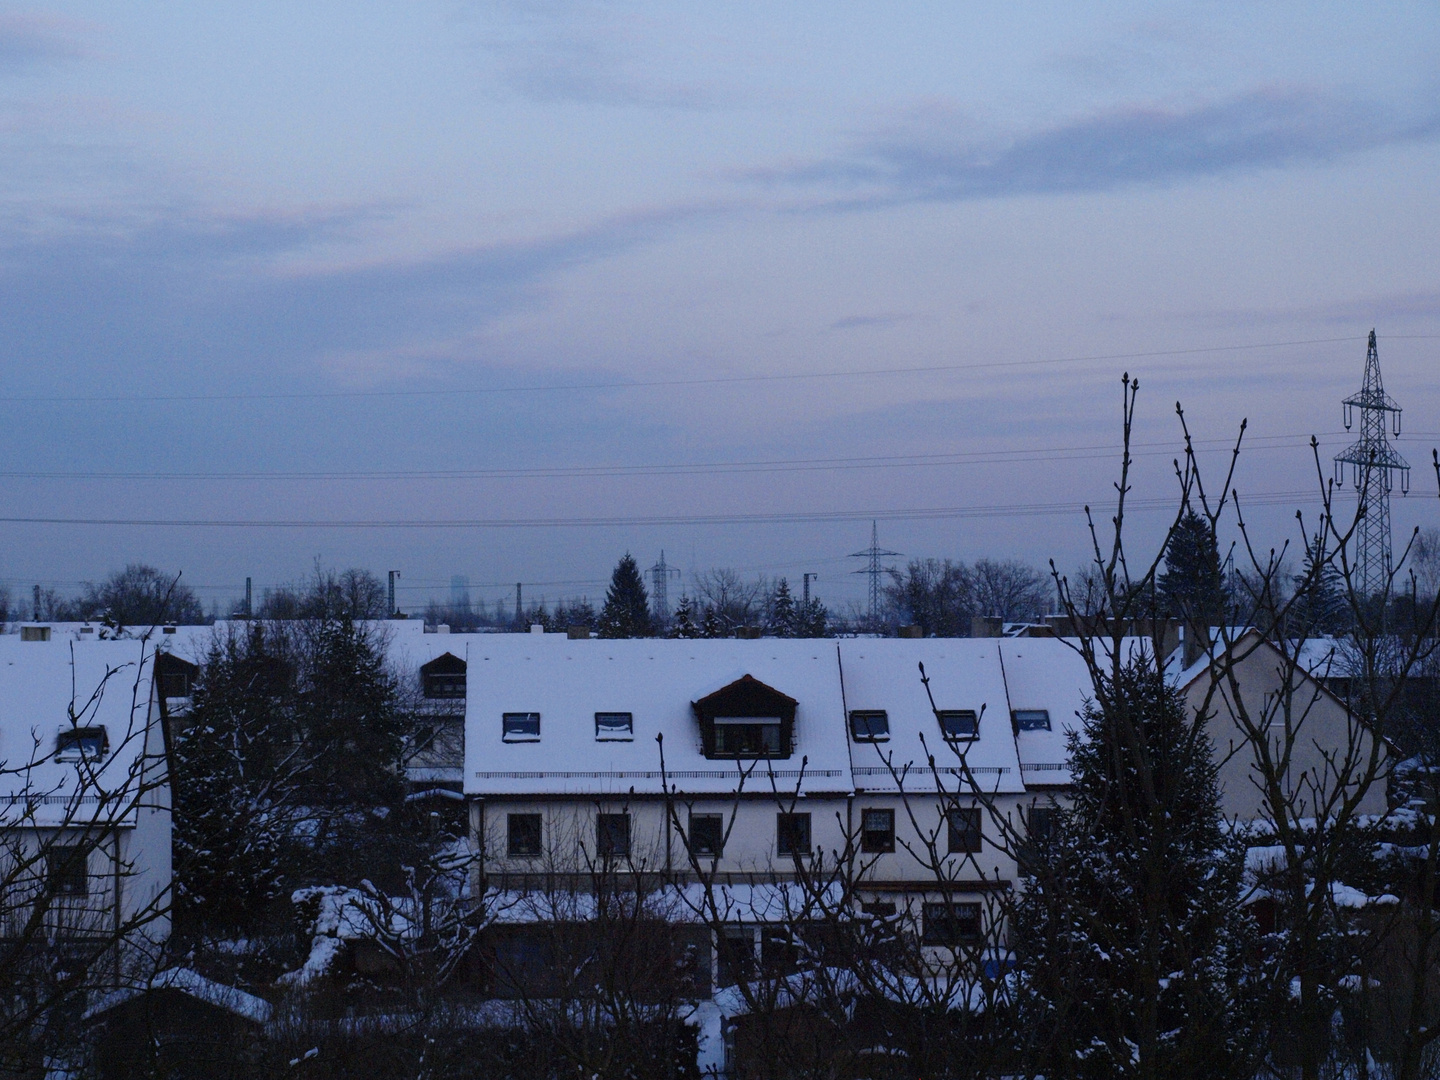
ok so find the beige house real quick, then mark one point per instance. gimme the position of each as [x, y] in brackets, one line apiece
[1312, 739]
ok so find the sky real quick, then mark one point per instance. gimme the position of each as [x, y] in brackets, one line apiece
[726, 281]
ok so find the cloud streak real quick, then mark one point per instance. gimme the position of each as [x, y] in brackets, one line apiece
[938, 156]
[27, 39]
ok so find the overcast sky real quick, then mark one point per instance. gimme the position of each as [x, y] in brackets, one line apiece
[565, 238]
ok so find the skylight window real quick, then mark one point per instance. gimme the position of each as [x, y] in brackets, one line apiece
[871, 725]
[1032, 719]
[81, 744]
[959, 723]
[521, 726]
[614, 726]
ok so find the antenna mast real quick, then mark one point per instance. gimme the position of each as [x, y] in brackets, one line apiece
[872, 556]
[1373, 465]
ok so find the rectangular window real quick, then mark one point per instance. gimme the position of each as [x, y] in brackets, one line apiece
[959, 723]
[612, 836]
[792, 834]
[948, 923]
[707, 834]
[964, 830]
[779, 951]
[747, 737]
[869, 725]
[175, 684]
[1040, 824]
[444, 684]
[521, 726]
[524, 834]
[614, 726]
[736, 949]
[877, 831]
[67, 870]
[1031, 719]
[879, 909]
[81, 743]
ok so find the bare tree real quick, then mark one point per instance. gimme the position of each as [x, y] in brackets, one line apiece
[1009, 590]
[733, 601]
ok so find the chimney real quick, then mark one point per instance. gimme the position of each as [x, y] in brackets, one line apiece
[1196, 641]
[912, 631]
[577, 633]
[37, 603]
[986, 626]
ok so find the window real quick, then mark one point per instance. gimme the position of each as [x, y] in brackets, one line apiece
[964, 830]
[1040, 824]
[779, 951]
[792, 834]
[614, 726]
[521, 726]
[877, 831]
[444, 684]
[524, 834]
[736, 949]
[707, 834]
[175, 684]
[948, 923]
[958, 723]
[67, 870]
[879, 909]
[1031, 719]
[747, 736]
[869, 725]
[612, 836]
[81, 743]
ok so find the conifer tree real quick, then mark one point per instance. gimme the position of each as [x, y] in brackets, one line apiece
[711, 626]
[683, 625]
[783, 616]
[1134, 955]
[627, 605]
[1191, 587]
[1320, 604]
[812, 619]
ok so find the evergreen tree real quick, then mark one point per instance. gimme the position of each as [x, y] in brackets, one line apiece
[1135, 958]
[1191, 588]
[627, 605]
[683, 625]
[783, 620]
[1320, 605]
[711, 626]
[812, 619]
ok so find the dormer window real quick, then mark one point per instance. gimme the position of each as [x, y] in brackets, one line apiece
[81, 744]
[614, 727]
[176, 684]
[174, 677]
[1031, 719]
[443, 678]
[959, 723]
[747, 736]
[746, 719]
[871, 725]
[520, 726]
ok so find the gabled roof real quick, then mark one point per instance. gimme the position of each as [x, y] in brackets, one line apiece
[746, 696]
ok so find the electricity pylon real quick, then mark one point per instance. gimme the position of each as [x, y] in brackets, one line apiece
[872, 556]
[1373, 466]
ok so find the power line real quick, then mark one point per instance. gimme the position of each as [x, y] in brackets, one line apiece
[779, 518]
[310, 395]
[880, 461]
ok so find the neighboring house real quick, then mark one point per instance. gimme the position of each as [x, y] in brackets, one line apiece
[1279, 695]
[85, 820]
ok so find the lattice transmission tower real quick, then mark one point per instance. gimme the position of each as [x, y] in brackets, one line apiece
[872, 556]
[660, 577]
[1373, 467]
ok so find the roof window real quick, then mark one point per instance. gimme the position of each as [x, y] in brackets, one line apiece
[614, 726]
[748, 737]
[520, 726]
[959, 723]
[81, 744]
[1031, 719]
[443, 677]
[869, 725]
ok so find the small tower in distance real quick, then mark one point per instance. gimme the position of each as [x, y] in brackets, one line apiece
[1374, 465]
[872, 556]
[660, 595]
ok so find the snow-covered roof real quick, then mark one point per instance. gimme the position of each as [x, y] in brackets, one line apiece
[965, 674]
[194, 985]
[1045, 674]
[655, 680]
[107, 684]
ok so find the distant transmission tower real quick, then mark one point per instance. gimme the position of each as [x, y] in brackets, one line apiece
[872, 556]
[1373, 465]
[660, 576]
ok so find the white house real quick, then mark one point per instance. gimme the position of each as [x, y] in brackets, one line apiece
[85, 817]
